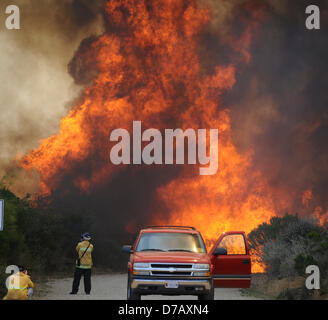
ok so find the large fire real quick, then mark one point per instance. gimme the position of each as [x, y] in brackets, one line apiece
[148, 67]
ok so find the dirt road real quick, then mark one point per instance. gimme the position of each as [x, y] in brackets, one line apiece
[113, 287]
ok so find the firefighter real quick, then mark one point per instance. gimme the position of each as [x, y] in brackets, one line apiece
[83, 264]
[20, 286]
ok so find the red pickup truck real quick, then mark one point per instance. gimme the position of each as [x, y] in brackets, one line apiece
[173, 260]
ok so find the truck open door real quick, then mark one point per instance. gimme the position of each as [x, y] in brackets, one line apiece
[231, 261]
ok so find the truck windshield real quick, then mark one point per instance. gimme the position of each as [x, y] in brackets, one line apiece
[171, 241]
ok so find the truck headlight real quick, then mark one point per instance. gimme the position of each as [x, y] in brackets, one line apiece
[140, 269]
[205, 266]
[204, 270]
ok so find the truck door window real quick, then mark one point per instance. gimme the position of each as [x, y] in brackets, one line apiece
[234, 244]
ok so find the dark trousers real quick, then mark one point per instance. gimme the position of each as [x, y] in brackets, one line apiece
[86, 273]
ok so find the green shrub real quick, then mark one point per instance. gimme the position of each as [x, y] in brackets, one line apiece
[40, 239]
[301, 262]
[3, 277]
[286, 245]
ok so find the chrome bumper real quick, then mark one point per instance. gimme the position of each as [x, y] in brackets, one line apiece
[192, 282]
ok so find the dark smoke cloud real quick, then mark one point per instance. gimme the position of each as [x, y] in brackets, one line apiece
[279, 103]
[83, 70]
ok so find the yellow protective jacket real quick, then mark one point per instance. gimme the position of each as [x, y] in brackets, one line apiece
[86, 261]
[18, 285]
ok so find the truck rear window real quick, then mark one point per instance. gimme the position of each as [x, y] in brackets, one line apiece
[171, 241]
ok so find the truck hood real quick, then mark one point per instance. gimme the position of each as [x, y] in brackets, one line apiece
[173, 257]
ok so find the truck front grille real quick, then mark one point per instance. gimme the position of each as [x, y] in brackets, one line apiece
[162, 265]
[167, 269]
[174, 273]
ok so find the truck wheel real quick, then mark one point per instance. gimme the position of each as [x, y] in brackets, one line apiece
[208, 296]
[131, 294]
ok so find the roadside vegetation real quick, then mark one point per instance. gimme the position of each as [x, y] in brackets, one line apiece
[286, 246]
[43, 239]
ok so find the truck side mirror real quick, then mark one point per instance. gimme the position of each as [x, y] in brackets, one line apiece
[127, 249]
[220, 252]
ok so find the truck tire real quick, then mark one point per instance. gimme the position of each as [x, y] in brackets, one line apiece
[208, 296]
[131, 294]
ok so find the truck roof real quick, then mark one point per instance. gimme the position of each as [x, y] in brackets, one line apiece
[174, 229]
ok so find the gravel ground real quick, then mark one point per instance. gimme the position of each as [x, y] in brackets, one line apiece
[113, 287]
